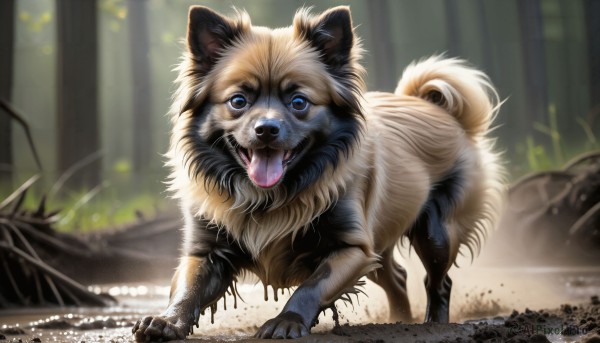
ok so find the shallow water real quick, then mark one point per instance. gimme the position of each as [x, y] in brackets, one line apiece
[478, 292]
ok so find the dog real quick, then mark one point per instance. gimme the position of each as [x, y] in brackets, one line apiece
[285, 167]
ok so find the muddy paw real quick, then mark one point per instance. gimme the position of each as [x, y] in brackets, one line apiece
[157, 329]
[285, 325]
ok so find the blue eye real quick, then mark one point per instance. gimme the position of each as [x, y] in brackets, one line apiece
[238, 102]
[299, 103]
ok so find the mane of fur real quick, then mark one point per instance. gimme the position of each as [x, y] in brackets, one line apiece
[254, 216]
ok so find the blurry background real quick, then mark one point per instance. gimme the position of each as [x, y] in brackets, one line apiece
[93, 80]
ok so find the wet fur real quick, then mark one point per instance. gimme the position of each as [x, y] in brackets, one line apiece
[379, 166]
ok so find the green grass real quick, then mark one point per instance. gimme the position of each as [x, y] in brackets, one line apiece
[103, 207]
[126, 198]
[538, 157]
[83, 213]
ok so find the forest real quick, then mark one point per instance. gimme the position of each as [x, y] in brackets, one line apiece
[85, 87]
[93, 80]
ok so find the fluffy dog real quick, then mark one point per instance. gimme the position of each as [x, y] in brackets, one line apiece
[286, 168]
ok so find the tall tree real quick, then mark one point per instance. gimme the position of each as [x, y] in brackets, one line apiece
[7, 25]
[142, 97]
[452, 27]
[77, 89]
[382, 48]
[592, 19]
[483, 26]
[534, 59]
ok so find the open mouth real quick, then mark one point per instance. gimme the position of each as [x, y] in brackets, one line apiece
[266, 166]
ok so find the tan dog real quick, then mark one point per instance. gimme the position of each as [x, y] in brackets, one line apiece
[284, 167]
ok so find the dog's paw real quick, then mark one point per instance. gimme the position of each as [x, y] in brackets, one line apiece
[285, 325]
[158, 329]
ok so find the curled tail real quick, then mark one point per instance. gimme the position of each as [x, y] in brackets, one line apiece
[466, 93]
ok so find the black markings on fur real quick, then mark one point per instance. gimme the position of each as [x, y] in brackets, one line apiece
[210, 156]
[430, 240]
[333, 36]
[212, 285]
[327, 234]
[346, 295]
[300, 312]
[326, 237]
[211, 241]
[224, 261]
[306, 299]
[208, 34]
[429, 237]
[444, 195]
[339, 220]
[328, 150]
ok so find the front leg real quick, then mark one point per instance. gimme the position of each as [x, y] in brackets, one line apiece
[337, 274]
[197, 284]
[208, 267]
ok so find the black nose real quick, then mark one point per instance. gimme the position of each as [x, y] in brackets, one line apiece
[267, 130]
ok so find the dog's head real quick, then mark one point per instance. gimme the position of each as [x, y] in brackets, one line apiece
[272, 107]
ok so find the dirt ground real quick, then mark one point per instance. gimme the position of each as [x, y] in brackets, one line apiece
[537, 280]
[488, 304]
[569, 323]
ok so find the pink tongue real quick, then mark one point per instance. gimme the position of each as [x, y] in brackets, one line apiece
[266, 167]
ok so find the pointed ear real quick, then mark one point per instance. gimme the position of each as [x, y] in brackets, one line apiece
[209, 33]
[330, 33]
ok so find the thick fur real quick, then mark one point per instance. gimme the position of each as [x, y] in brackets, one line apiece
[371, 168]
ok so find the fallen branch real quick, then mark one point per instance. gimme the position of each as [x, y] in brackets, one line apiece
[19, 118]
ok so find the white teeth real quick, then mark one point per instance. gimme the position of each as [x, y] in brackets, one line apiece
[287, 154]
[245, 155]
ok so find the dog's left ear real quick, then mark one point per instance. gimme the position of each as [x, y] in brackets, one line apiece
[330, 33]
[210, 32]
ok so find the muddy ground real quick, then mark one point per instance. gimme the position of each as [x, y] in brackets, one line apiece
[537, 280]
[488, 304]
[569, 323]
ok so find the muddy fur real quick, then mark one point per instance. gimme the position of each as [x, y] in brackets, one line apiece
[286, 168]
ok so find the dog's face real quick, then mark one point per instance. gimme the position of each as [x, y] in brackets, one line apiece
[270, 107]
[270, 99]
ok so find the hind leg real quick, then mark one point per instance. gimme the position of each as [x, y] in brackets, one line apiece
[392, 278]
[432, 243]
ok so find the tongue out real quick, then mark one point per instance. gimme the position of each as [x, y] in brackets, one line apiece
[266, 167]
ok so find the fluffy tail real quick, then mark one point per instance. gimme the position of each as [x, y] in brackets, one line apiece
[466, 93]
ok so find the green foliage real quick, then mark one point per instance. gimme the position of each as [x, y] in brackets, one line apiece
[539, 157]
[122, 166]
[554, 134]
[592, 142]
[116, 10]
[35, 23]
[105, 206]
[90, 211]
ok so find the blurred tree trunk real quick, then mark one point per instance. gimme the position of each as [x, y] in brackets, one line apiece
[77, 90]
[142, 96]
[592, 19]
[452, 28]
[7, 31]
[382, 46]
[486, 39]
[534, 60]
